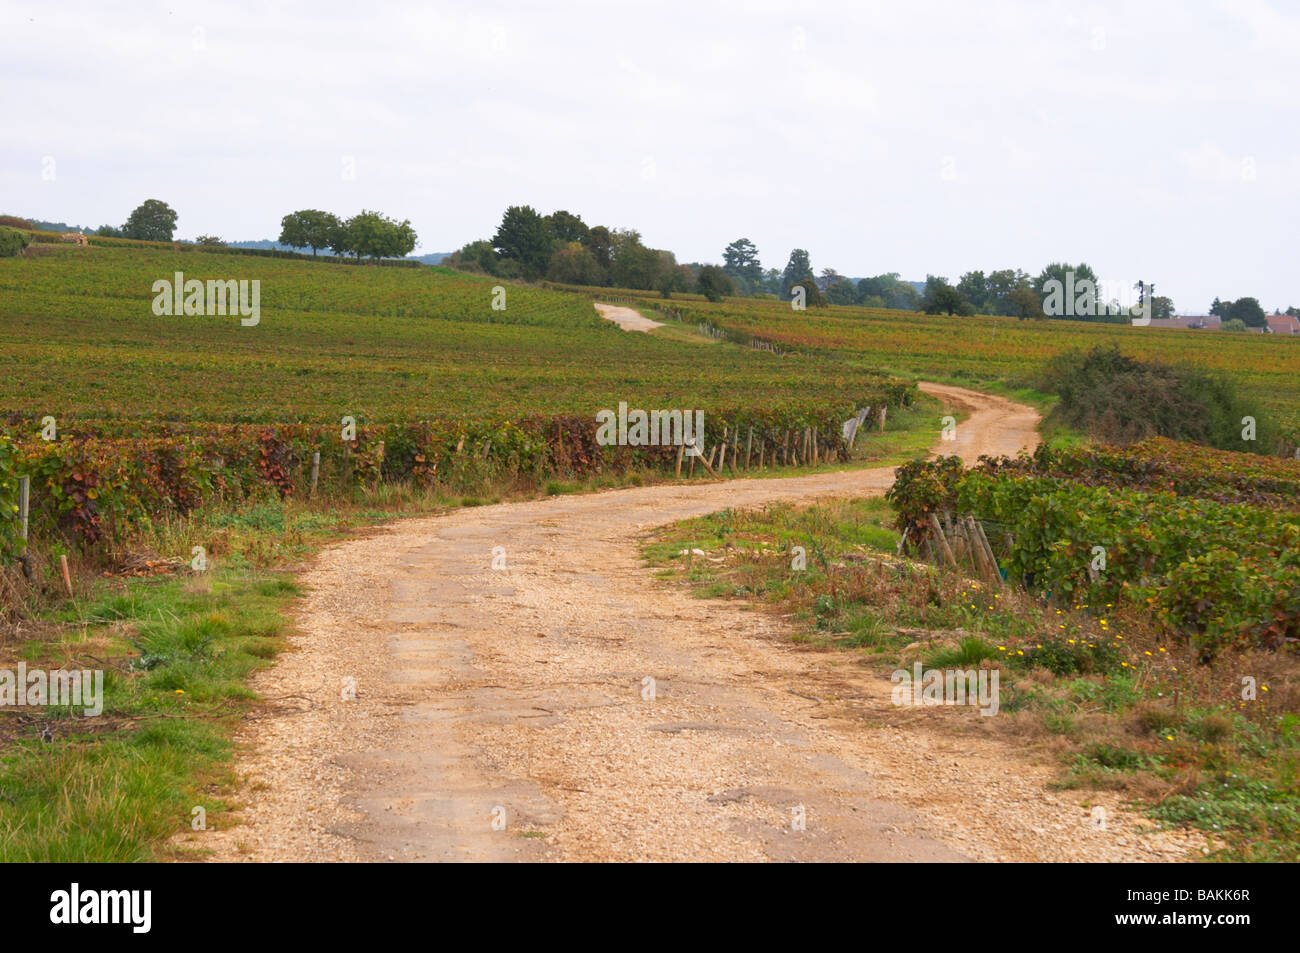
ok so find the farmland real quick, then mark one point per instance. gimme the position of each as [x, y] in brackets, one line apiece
[980, 350]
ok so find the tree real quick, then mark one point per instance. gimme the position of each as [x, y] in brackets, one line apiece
[566, 227]
[477, 256]
[524, 237]
[812, 295]
[211, 241]
[1023, 303]
[843, 292]
[575, 264]
[1293, 311]
[889, 291]
[939, 297]
[714, 283]
[108, 231]
[153, 221]
[601, 244]
[1248, 312]
[974, 286]
[309, 228]
[798, 270]
[1233, 324]
[740, 261]
[1219, 308]
[372, 235]
[1162, 307]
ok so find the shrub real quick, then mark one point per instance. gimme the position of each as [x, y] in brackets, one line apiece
[12, 241]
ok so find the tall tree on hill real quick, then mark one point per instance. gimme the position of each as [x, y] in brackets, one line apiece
[798, 270]
[601, 244]
[1248, 312]
[975, 287]
[153, 221]
[309, 228]
[523, 237]
[740, 261]
[566, 227]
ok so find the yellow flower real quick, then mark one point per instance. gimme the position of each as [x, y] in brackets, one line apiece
[1125, 664]
[1071, 641]
[1020, 652]
[1002, 648]
[179, 691]
[1162, 649]
[1264, 687]
[1146, 653]
[1169, 737]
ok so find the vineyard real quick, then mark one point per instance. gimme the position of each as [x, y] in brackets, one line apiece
[981, 349]
[1206, 541]
[446, 378]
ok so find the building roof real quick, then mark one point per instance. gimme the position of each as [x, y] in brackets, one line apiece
[1283, 323]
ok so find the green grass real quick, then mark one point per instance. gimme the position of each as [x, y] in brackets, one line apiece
[176, 653]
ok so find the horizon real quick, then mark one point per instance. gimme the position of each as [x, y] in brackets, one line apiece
[813, 130]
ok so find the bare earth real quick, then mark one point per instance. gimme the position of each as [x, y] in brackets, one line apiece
[627, 318]
[520, 695]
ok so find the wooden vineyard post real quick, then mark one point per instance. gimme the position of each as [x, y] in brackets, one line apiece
[882, 419]
[942, 541]
[749, 446]
[24, 496]
[24, 493]
[681, 449]
[988, 553]
[67, 576]
[315, 473]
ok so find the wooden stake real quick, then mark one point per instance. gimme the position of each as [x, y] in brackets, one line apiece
[882, 419]
[315, 473]
[67, 577]
[749, 446]
[942, 541]
[681, 449]
[24, 492]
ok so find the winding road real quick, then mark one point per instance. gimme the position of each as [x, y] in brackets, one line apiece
[509, 714]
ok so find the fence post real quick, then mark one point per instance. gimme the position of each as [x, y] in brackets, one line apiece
[315, 473]
[24, 492]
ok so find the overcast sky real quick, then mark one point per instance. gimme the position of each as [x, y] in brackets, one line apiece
[1154, 140]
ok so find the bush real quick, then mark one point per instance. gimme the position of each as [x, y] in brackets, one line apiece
[12, 241]
[1119, 400]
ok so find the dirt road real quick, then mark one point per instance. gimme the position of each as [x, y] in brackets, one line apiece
[627, 318]
[522, 696]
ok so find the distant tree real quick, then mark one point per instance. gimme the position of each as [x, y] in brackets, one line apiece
[714, 283]
[974, 286]
[1293, 311]
[309, 228]
[108, 231]
[566, 227]
[210, 240]
[524, 237]
[1162, 307]
[1023, 303]
[940, 297]
[843, 292]
[153, 221]
[575, 264]
[829, 276]
[798, 270]
[373, 235]
[477, 256]
[999, 286]
[890, 291]
[1248, 311]
[1219, 307]
[601, 244]
[740, 261]
[1061, 272]
[13, 221]
[1233, 324]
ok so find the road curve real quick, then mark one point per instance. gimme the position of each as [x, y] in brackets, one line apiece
[507, 714]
